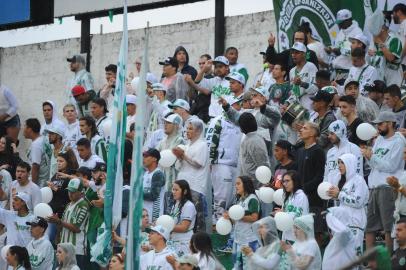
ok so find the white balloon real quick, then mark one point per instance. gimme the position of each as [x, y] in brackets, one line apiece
[43, 210]
[223, 226]
[236, 212]
[166, 221]
[4, 251]
[134, 83]
[107, 127]
[167, 158]
[266, 194]
[284, 221]
[278, 196]
[366, 131]
[47, 194]
[322, 190]
[263, 174]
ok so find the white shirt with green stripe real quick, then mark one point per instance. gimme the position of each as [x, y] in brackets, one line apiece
[390, 72]
[76, 213]
[99, 147]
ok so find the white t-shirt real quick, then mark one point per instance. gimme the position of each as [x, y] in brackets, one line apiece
[31, 189]
[91, 162]
[72, 134]
[188, 212]
[153, 260]
[40, 153]
[308, 248]
[218, 87]
[196, 177]
[308, 75]
[18, 232]
[364, 75]
[318, 48]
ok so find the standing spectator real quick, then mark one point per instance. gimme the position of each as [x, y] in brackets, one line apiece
[264, 78]
[9, 157]
[55, 138]
[243, 232]
[217, 86]
[50, 113]
[315, 45]
[173, 80]
[386, 53]
[24, 184]
[131, 103]
[376, 93]
[9, 119]
[184, 213]
[280, 90]
[107, 92]
[348, 110]
[156, 258]
[237, 84]
[182, 108]
[72, 130]
[87, 158]
[360, 71]
[18, 232]
[99, 112]
[325, 116]
[399, 17]
[98, 145]
[367, 110]
[342, 44]
[182, 57]
[398, 257]
[352, 194]
[83, 100]
[338, 138]
[253, 151]
[74, 221]
[232, 55]
[153, 184]
[40, 152]
[283, 155]
[40, 249]
[393, 99]
[385, 159]
[302, 75]
[81, 77]
[193, 165]
[18, 258]
[65, 254]
[310, 160]
[201, 248]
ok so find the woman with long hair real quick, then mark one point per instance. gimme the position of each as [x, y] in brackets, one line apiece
[243, 232]
[201, 247]
[18, 258]
[268, 255]
[116, 262]
[9, 157]
[67, 165]
[295, 200]
[65, 254]
[184, 213]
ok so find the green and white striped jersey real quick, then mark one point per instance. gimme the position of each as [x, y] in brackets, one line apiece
[76, 213]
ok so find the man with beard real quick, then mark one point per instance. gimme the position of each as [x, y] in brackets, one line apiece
[385, 159]
[55, 137]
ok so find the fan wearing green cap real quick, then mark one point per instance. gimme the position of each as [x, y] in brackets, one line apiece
[74, 221]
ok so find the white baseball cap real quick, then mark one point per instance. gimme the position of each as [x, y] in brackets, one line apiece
[221, 59]
[131, 99]
[161, 230]
[361, 38]
[261, 90]
[180, 103]
[299, 46]
[342, 15]
[237, 77]
[159, 87]
[24, 197]
[174, 119]
[57, 129]
[151, 78]
[231, 100]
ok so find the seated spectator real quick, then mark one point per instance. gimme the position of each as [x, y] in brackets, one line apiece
[18, 258]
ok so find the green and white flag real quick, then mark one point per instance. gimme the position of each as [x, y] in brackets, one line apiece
[114, 185]
[321, 14]
[136, 194]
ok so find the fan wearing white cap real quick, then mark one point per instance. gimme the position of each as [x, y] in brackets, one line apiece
[342, 45]
[224, 139]
[302, 76]
[18, 232]
[217, 86]
[55, 138]
[131, 102]
[237, 84]
[182, 108]
[386, 55]
[156, 258]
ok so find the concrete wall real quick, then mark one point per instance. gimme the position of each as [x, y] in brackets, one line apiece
[38, 72]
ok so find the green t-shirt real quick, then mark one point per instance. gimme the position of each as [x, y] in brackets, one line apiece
[95, 213]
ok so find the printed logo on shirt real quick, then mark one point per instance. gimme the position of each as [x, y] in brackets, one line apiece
[20, 227]
[381, 152]
[35, 260]
[220, 90]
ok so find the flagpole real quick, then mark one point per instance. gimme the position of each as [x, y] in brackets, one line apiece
[136, 194]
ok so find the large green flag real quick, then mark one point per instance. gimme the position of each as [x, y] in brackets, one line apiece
[321, 14]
